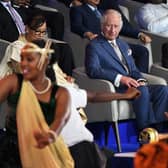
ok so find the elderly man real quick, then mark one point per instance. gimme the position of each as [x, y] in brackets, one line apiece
[110, 58]
[85, 21]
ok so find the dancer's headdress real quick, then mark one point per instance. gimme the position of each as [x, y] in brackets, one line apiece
[31, 47]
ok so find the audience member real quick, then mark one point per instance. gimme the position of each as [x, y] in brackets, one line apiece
[55, 20]
[85, 23]
[110, 58]
[36, 29]
[9, 29]
[153, 17]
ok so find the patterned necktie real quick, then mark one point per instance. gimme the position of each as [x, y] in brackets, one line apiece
[120, 56]
[17, 19]
[97, 13]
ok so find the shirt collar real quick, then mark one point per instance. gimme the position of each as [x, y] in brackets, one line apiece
[112, 42]
[91, 7]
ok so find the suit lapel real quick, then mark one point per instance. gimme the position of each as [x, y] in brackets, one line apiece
[108, 48]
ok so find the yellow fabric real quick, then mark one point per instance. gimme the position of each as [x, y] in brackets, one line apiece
[30, 119]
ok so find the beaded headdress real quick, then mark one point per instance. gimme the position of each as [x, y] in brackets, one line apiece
[43, 51]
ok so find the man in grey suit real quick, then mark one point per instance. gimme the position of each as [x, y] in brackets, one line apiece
[110, 58]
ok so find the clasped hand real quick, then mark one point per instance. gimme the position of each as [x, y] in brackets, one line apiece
[130, 82]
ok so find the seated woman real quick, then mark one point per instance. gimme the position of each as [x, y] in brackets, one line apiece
[31, 92]
[153, 17]
[36, 28]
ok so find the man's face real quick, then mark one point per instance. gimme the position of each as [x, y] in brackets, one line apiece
[111, 26]
[93, 2]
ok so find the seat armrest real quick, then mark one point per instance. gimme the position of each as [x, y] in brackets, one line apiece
[158, 70]
[154, 80]
[85, 82]
[97, 112]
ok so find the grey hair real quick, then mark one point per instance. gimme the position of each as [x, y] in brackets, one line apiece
[108, 12]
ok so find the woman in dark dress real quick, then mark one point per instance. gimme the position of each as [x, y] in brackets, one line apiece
[47, 94]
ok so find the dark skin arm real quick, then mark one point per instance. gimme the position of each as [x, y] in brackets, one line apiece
[107, 96]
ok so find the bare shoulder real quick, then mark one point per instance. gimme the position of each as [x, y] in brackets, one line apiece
[62, 92]
[9, 82]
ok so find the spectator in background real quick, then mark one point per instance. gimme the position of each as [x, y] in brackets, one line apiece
[153, 17]
[36, 28]
[9, 30]
[85, 23]
[55, 20]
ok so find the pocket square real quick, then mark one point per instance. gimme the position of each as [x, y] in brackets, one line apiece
[129, 51]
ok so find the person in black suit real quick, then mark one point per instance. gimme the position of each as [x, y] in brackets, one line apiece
[85, 23]
[55, 20]
[8, 28]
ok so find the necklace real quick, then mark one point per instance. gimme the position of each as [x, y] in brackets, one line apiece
[41, 91]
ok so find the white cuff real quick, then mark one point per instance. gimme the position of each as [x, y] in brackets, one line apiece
[117, 80]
